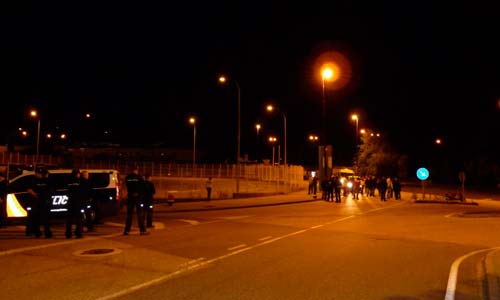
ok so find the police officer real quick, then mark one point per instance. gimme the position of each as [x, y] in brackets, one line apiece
[135, 191]
[40, 210]
[74, 206]
[3, 193]
[149, 191]
[88, 204]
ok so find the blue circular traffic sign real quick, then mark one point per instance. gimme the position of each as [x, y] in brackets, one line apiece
[422, 173]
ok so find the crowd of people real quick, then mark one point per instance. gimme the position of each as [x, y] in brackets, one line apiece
[370, 186]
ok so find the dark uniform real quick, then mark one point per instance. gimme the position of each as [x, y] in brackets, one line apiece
[40, 208]
[135, 191]
[74, 206]
[87, 198]
[3, 201]
[149, 191]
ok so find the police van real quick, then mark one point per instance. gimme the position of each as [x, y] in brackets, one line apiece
[105, 197]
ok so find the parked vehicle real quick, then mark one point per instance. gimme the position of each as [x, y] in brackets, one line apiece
[105, 199]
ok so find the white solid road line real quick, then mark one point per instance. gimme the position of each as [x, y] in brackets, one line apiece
[237, 247]
[265, 238]
[206, 262]
[452, 279]
[192, 222]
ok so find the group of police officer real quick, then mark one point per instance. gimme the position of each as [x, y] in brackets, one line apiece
[79, 200]
[140, 198]
[80, 196]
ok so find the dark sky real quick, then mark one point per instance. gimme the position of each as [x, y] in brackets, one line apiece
[417, 72]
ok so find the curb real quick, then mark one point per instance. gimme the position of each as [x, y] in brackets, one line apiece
[239, 206]
[445, 202]
[492, 280]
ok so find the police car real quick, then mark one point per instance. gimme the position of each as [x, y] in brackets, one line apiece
[105, 201]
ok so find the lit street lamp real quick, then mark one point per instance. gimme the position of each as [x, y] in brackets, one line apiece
[270, 108]
[192, 121]
[356, 118]
[313, 139]
[257, 152]
[34, 114]
[223, 80]
[327, 74]
[273, 141]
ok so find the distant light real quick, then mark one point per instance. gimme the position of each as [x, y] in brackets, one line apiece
[33, 113]
[63, 136]
[24, 133]
[20, 129]
[87, 116]
[378, 134]
[362, 131]
[49, 136]
[270, 108]
[354, 117]
[222, 79]
[258, 126]
[438, 141]
[272, 139]
[192, 120]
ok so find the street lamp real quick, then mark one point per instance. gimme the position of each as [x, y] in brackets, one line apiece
[327, 74]
[356, 118]
[313, 139]
[273, 140]
[223, 80]
[192, 121]
[270, 108]
[257, 127]
[34, 114]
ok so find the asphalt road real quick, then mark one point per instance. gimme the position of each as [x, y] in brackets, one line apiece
[363, 249]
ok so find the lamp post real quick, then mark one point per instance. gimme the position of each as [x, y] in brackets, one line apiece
[257, 127]
[356, 118]
[192, 121]
[272, 140]
[223, 80]
[34, 114]
[270, 108]
[313, 139]
[326, 75]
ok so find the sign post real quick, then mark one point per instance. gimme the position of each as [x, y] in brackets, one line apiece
[423, 174]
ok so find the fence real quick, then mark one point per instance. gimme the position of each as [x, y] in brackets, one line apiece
[184, 181]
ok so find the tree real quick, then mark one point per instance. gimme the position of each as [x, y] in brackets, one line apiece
[376, 157]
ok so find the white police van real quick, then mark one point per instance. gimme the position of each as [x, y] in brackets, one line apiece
[105, 201]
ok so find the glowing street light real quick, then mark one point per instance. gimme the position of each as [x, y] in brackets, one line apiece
[271, 108]
[355, 118]
[272, 140]
[223, 80]
[63, 136]
[438, 141]
[49, 136]
[192, 121]
[34, 114]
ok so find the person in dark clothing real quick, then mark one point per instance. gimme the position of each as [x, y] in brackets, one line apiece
[87, 198]
[382, 187]
[396, 185]
[338, 189]
[40, 210]
[75, 208]
[149, 191]
[3, 193]
[135, 190]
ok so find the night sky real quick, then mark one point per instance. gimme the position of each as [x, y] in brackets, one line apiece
[418, 72]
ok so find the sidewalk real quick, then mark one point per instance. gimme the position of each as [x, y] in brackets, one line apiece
[200, 205]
